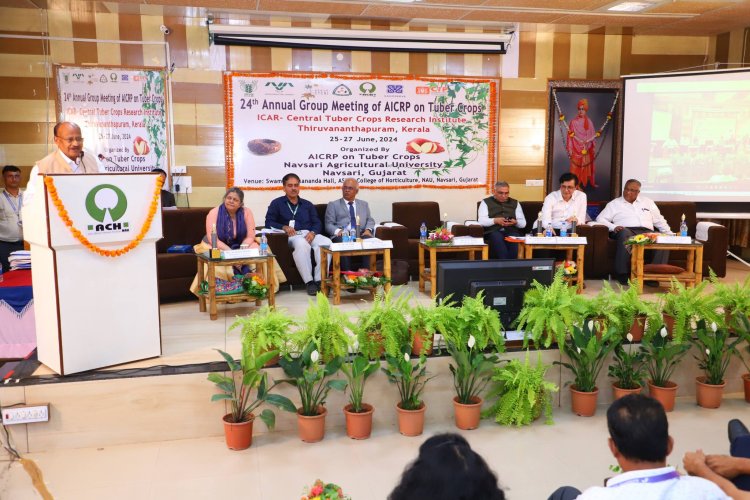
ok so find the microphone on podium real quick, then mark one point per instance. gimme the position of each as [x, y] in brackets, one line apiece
[104, 158]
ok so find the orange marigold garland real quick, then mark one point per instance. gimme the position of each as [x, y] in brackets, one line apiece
[63, 213]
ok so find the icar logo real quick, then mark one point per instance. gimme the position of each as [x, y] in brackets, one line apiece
[107, 204]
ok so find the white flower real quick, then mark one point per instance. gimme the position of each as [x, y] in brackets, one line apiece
[663, 332]
[314, 356]
[708, 352]
[590, 324]
[579, 350]
[406, 356]
[629, 336]
[713, 326]
[472, 341]
[693, 324]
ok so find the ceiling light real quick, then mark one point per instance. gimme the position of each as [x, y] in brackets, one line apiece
[631, 6]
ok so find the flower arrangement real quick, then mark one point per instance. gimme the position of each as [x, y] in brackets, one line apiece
[255, 285]
[569, 267]
[324, 491]
[641, 239]
[363, 278]
[440, 236]
[63, 213]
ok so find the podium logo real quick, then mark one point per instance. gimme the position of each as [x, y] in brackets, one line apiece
[107, 204]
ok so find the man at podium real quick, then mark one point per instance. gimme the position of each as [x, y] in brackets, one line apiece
[69, 157]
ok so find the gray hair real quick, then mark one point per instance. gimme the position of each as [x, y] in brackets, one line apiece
[502, 184]
[633, 181]
[240, 194]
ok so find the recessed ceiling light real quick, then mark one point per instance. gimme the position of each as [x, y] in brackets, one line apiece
[631, 6]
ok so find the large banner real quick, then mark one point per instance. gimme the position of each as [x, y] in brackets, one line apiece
[387, 132]
[121, 112]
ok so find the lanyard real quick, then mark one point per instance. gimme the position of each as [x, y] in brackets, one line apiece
[667, 476]
[16, 209]
[294, 212]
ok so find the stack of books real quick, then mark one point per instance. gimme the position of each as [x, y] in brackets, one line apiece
[20, 259]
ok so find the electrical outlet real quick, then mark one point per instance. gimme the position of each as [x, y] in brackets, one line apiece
[179, 169]
[25, 414]
[182, 184]
[534, 182]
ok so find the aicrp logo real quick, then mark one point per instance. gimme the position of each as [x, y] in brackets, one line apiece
[367, 88]
[107, 204]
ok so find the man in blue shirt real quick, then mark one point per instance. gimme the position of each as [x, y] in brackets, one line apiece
[299, 220]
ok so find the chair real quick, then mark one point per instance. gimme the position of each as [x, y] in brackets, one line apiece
[411, 214]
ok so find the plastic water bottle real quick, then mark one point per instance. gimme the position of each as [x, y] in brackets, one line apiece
[573, 225]
[549, 232]
[263, 244]
[345, 236]
[564, 229]
[683, 227]
[423, 233]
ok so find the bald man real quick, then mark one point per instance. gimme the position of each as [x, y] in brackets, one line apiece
[69, 156]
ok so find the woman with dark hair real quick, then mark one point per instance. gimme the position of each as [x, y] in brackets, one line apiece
[447, 468]
[235, 224]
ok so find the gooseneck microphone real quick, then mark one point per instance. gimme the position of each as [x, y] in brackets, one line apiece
[110, 160]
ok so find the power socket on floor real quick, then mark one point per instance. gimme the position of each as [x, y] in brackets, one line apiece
[25, 414]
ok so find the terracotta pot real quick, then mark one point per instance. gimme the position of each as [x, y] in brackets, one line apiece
[312, 429]
[584, 403]
[359, 425]
[708, 395]
[411, 422]
[728, 320]
[271, 362]
[638, 327]
[618, 392]
[239, 436]
[665, 395]
[668, 324]
[746, 385]
[378, 339]
[467, 415]
[416, 348]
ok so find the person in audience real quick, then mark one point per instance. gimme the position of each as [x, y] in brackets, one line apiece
[696, 464]
[501, 216]
[234, 222]
[734, 468]
[69, 157]
[167, 198]
[640, 442]
[626, 216]
[581, 145]
[11, 226]
[343, 214]
[566, 205]
[299, 220]
[447, 469]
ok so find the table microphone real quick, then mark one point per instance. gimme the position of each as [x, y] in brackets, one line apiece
[104, 158]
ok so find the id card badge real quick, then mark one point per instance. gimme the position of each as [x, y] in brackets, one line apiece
[291, 223]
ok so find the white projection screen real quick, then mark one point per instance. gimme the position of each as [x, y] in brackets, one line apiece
[686, 136]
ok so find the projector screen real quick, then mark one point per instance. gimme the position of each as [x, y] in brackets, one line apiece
[686, 136]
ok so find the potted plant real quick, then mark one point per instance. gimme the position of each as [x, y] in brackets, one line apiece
[628, 369]
[477, 328]
[523, 394]
[358, 414]
[246, 376]
[683, 306]
[587, 351]
[313, 380]
[410, 378]
[266, 329]
[601, 309]
[633, 311]
[384, 328]
[662, 357]
[549, 312]
[715, 350]
[326, 327]
[733, 298]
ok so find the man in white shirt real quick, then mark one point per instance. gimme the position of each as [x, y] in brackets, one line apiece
[344, 213]
[627, 216]
[565, 205]
[69, 156]
[501, 216]
[11, 228]
[640, 442]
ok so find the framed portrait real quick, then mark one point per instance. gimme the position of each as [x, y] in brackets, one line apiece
[583, 135]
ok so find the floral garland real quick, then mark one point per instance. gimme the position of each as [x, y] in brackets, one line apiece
[255, 285]
[324, 491]
[63, 213]
[641, 239]
[565, 129]
[440, 236]
[362, 278]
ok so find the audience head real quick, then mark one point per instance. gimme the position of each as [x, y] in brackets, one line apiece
[68, 139]
[631, 190]
[163, 175]
[291, 186]
[11, 177]
[502, 191]
[350, 188]
[638, 430]
[568, 184]
[233, 199]
[447, 468]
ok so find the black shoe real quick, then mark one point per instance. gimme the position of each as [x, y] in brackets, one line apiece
[652, 283]
[312, 288]
[317, 284]
[622, 279]
[736, 429]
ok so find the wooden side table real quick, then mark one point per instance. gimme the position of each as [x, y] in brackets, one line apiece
[433, 251]
[526, 251]
[334, 279]
[263, 261]
[694, 266]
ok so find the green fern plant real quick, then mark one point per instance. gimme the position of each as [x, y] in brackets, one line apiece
[601, 309]
[326, 327]
[549, 312]
[687, 305]
[733, 298]
[521, 393]
[265, 330]
[384, 325]
[628, 304]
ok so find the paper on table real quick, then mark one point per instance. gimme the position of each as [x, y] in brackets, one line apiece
[375, 243]
[349, 245]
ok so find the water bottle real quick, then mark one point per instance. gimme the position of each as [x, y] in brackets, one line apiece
[549, 232]
[683, 227]
[564, 229]
[214, 237]
[263, 244]
[345, 235]
[539, 226]
[573, 225]
[423, 233]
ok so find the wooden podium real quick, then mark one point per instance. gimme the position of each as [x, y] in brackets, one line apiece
[92, 310]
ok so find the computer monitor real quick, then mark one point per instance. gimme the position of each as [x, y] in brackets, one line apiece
[504, 282]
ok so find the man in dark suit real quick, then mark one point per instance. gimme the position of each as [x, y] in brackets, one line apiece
[348, 213]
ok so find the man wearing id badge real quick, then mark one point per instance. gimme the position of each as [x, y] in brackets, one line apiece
[299, 220]
[11, 225]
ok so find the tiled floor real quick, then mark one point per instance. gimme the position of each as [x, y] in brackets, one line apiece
[530, 461]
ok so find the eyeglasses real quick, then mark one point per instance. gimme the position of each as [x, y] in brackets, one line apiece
[70, 140]
[567, 188]
[628, 190]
